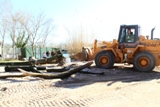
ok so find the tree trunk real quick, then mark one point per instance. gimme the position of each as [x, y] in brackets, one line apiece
[49, 75]
[33, 50]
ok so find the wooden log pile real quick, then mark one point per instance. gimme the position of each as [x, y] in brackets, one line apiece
[61, 75]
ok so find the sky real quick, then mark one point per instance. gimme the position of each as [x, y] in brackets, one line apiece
[103, 17]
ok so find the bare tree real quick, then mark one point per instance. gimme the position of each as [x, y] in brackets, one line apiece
[21, 41]
[5, 10]
[17, 30]
[46, 32]
[3, 30]
[22, 27]
[39, 28]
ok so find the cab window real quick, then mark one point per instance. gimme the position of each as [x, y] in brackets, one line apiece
[130, 35]
[122, 35]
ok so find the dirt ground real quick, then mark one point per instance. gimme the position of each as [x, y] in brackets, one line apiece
[117, 87]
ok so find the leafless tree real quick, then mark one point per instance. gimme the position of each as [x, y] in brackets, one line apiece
[3, 30]
[39, 28]
[5, 10]
[16, 28]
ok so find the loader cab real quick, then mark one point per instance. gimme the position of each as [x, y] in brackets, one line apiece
[128, 36]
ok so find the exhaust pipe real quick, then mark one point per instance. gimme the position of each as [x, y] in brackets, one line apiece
[152, 33]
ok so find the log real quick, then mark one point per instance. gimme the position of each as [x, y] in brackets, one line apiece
[14, 68]
[15, 63]
[50, 75]
[11, 75]
[55, 59]
[58, 75]
[57, 70]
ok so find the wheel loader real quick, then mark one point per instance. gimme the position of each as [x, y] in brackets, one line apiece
[143, 52]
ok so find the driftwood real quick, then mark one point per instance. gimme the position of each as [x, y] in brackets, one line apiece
[57, 70]
[49, 75]
[15, 63]
[14, 68]
[11, 75]
[55, 59]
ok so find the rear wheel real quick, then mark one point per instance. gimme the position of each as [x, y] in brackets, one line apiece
[104, 59]
[144, 61]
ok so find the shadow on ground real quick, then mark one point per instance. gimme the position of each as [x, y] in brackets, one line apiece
[110, 76]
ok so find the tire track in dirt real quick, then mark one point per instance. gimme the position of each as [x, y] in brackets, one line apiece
[122, 96]
[116, 89]
[137, 96]
[26, 91]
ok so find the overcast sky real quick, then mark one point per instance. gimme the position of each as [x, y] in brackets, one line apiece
[102, 16]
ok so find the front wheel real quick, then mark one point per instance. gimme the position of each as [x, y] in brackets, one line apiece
[144, 61]
[104, 59]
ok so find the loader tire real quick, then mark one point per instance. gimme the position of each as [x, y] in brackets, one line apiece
[144, 62]
[104, 59]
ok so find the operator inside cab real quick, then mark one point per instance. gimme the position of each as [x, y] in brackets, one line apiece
[129, 36]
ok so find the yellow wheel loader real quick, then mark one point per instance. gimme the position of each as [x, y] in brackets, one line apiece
[142, 52]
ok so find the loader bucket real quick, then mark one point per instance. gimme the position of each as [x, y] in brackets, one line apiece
[85, 55]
